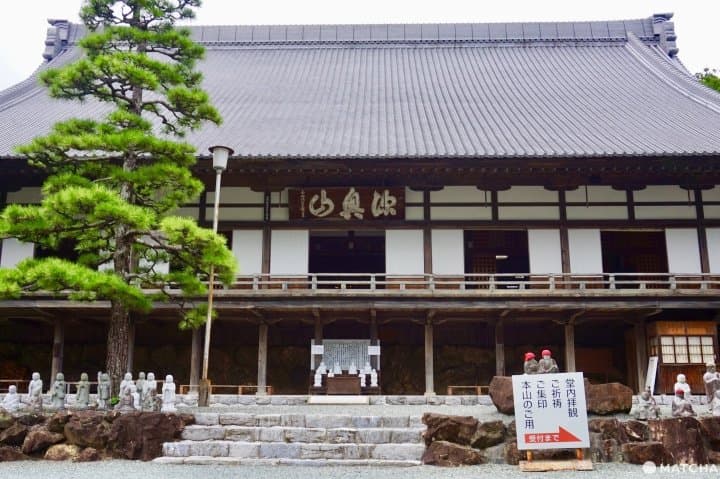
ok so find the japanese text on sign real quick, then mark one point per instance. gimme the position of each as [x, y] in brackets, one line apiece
[347, 204]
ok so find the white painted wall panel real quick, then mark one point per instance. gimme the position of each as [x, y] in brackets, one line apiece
[545, 253]
[597, 213]
[404, 252]
[529, 213]
[247, 247]
[711, 194]
[712, 212]
[448, 252]
[14, 251]
[585, 251]
[713, 242]
[237, 194]
[683, 250]
[664, 212]
[661, 193]
[25, 195]
[458, 194]
[289, 250]
[461, 213]
[229, 213]
[597, 194]
[280, 213]
[414, 213]
[527, 194]
[187, 212]
[412, 196]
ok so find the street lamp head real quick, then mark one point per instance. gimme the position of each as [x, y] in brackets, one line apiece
[220, 156]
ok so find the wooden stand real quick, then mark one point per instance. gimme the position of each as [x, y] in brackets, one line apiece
[578, 464]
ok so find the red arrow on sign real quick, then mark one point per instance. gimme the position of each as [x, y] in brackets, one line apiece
[563, 435]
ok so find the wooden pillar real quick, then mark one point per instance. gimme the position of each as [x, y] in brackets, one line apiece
[318, 337]
[131, 346]
[499, 348]
[262, 358]
[570, 346]
[427, 235]
[195, 358]
[640, 354]
[429, 365]
[374, 360]
[564, 236]
[58, 349]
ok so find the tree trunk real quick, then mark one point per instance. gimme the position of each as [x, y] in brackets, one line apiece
[117, 345]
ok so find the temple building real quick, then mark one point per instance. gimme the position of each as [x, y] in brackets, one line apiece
[438, 198]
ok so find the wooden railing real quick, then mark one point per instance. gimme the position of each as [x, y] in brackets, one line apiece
[480, 282]
[238, 389]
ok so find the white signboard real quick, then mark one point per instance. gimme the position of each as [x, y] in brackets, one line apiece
[651, 373]
[550, 411]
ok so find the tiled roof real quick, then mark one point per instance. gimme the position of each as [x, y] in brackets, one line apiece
[448, 90]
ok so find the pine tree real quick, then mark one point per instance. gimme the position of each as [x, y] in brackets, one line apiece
[113, 183]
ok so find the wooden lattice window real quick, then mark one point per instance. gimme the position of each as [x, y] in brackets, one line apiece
[683, 349]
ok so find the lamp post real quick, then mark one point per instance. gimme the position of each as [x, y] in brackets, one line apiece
[220, 159]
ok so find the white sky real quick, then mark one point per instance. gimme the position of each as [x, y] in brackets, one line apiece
[696, 22]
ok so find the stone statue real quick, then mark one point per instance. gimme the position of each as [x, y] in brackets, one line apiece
[336, 369]
[318, 377]
[103, 395]
[57, 392]
[149, 385]
[140, 384]
[150, 400]
[531, 365]
[647, 408]
[322, 368]
[127, 401]
[711, 378]
[367, 368]
[373, 378]
[125, 384]
[682, 384]
[362, 379]
[681, 407]
[715, 404]
[168, 395]
[11, 401]
[353, 370]
[136, 397]
[82, 392]
[35, 393]
[547, 364]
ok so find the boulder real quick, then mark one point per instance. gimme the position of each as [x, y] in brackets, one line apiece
[455, 429]
[447, 454]
[501, 394]
[512, 453]
[713, 457]
[14, 435]
[608, 428]
[604, 450]
[636, 430]
[62, 452]
[88, 454]
[642, 452]
[140, 435]
[32, 419]
[488, 434]
[39, 439]
[710, 427]
[6, 420]
[681, 439]
[57, 422]
[608, 398]
[8, 453]
[87, 428]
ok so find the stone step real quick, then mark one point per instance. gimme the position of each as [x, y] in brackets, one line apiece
[306, 420]
[236, 461]
[283, 450]
[376, 435]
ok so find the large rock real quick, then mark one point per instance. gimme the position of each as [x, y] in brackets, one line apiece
[642, 452]
[501, 394]
[31, 419]
[710, 428]
[87, 429]
[681, 438]
[39, 439]
[455, 429]
[604, 450]
[57, 422]
[447, 454]
[141, 435]
[14, 435]
[636, 430]
[88, 454]
[6, 420]
[8, 453]
[488, 434]
[608, 428]
[608, 398]
[62, 452]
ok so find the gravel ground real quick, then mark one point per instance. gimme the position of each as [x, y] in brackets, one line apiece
[145, 470]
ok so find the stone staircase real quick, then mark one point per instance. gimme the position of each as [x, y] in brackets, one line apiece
[298, 439]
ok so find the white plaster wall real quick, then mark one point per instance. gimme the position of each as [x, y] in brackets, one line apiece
[229, 213]
[14, 251]
[412, 196]
[664, 212]
[683, 250]
[711, 194]
[711, 212]
[527, 194]
[448, 252]
[414, 213]
[404, 252]
[458, 194]
[247, 247]
[529, 212]
[289, 250]
[661, 193]
[597, 212]
[604, 194]
[25, 195]
[545, 253]
[187, 212]
[713, 242]
[237, 194]
[585, 251]
[280, 213]
[461, 213]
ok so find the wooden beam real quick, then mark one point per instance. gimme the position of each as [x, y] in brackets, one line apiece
[429, 363]
[640, 353]
[58, 349]
[500, 348]
[570, 346]
[262, 358]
